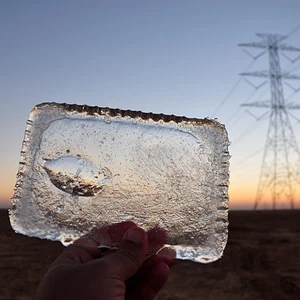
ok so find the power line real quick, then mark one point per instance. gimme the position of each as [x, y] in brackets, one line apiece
[249, 130]
[239, 108]
[293, 31]
[294, 69]
[231, 118]
[245, 159]
[231, 91]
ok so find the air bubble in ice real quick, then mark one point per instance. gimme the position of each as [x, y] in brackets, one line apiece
[107, 120]
[76, 175]
[60, 208]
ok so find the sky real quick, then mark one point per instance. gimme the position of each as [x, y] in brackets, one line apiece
[172, 57]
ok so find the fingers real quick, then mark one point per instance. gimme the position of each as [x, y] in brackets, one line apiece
[168, 254]
[86, 240]
[150, 284]
[77, 254]
[81, 251]
[86, 247]
[148, 265]
[157, 238]
[155, 281]
[126, 261]
[110, 235]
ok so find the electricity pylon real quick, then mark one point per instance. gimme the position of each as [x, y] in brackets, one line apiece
[279, 175]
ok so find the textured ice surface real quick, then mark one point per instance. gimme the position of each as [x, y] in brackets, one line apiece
[84, 166]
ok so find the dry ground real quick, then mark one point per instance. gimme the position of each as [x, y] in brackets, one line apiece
[261, 261]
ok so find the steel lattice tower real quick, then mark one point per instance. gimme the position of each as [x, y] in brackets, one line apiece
[279, 175]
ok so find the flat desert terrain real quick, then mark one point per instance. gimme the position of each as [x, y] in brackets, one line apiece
[261, 261]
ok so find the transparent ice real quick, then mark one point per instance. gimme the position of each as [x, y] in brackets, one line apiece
[83, 167]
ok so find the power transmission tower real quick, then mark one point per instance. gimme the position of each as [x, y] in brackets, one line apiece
[279, 175]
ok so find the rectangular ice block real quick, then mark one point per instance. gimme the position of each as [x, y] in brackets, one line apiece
[83, 167]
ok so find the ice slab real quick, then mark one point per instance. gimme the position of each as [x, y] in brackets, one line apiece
[83, 167]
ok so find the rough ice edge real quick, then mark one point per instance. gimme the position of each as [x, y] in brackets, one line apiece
[182, 251]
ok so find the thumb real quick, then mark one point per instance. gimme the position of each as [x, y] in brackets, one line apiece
[131, 253]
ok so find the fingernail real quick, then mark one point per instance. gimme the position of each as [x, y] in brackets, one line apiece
[167, 252]
[135, 234]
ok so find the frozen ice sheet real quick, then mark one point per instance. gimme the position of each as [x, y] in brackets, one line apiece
[84, 166]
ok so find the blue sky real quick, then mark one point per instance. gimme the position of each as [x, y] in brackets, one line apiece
[175, 57]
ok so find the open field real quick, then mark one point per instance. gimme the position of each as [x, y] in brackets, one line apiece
[261, 261]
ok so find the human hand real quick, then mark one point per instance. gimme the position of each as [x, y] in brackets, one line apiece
[85, 271]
